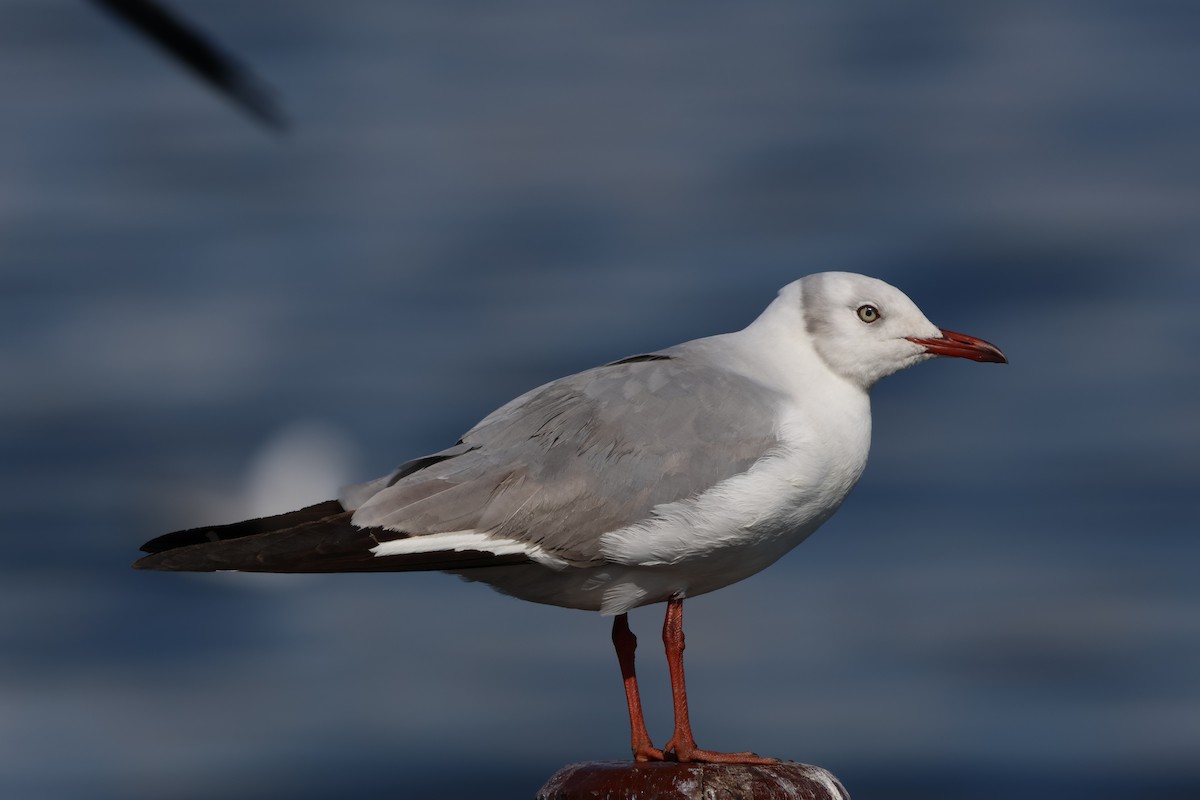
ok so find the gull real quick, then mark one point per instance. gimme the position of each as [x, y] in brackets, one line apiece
[651, 479]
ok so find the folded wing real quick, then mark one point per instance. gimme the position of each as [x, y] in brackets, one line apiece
[540, 479]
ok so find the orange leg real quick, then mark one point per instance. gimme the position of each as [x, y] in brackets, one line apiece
[683, 743]
[626, 643]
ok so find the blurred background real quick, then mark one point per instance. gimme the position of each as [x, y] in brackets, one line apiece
[201, 321]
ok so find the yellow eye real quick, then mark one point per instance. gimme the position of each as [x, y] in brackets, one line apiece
[868, 314]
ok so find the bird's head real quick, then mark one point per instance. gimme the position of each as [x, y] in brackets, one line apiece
[865, 329]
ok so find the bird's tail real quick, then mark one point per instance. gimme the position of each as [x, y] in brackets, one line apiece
[319, 538]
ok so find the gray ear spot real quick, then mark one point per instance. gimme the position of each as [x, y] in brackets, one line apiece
[868, 313]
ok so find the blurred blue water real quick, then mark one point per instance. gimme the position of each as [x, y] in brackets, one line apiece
[195, 317]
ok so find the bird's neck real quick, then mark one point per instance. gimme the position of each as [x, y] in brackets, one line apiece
[780, 353]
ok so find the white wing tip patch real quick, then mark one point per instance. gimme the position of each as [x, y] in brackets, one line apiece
[458, 541]
[452, 541]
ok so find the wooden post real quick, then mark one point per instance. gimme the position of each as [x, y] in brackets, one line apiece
[626, 780]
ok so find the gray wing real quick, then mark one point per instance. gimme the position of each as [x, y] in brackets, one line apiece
[593, 452]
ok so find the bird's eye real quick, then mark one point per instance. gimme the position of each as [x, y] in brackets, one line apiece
[868, 314]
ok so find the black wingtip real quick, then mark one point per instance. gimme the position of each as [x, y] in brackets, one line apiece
[257, 100]
[239, 530]
[202, 57]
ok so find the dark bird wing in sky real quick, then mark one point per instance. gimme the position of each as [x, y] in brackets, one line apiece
[201, 55]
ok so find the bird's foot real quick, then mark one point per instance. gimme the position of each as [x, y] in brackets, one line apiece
[648, 752]
[687, 753]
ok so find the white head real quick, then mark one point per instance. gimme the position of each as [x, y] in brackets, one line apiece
[865, 329]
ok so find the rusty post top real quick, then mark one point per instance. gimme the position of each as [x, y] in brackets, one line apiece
[617, 780]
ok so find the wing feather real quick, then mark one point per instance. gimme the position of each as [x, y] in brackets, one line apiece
[328, 544]
[573, 459]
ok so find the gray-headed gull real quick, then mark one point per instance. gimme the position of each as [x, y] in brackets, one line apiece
[651, 479]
